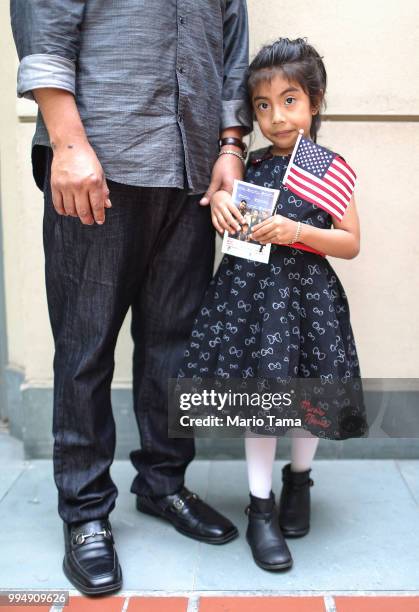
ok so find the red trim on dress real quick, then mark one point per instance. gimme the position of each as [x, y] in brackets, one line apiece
[303, 247]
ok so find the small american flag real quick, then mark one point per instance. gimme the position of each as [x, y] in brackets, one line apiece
[320, 177]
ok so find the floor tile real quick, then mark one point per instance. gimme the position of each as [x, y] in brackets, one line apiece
[377, 604]
[25, 608]
[32, 535]
[157, 604]
[8, 476]
[12, 463]
[262, 604]
[153, 555]
[410, 472]
[95, 604]
[361, 510]
[353, 504]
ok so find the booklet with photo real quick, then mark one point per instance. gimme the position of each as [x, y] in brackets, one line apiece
[255, 204]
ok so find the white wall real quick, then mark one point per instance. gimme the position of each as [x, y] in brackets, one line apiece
[369, 50]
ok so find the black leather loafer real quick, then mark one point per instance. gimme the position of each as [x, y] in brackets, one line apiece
[190, 515]
[90, 562]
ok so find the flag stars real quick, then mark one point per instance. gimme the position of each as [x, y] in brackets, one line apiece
[313, 158]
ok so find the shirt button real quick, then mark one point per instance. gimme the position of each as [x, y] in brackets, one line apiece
[180, 69]
[180, 118]
[181, 20]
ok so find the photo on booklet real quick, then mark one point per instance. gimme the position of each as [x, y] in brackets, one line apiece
[255, 204]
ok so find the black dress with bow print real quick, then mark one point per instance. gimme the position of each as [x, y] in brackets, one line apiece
[286, 320]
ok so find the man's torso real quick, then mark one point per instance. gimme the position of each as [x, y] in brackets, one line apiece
[149, 87]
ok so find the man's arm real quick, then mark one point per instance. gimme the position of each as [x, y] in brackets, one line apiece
[236, 116]
[78, 184]
[235, 108]
[47, 38]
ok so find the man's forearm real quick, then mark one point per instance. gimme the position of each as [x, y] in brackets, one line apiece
[61, 117]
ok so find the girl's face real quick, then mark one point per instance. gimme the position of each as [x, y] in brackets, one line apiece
[282, 108]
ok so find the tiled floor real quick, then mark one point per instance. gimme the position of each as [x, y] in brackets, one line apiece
[361, 554]
[235, 604]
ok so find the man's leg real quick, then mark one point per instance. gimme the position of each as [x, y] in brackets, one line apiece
[179, 270]
[89, 280]
[92, 275]
[178, 274]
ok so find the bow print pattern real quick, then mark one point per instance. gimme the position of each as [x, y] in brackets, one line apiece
[287, 319]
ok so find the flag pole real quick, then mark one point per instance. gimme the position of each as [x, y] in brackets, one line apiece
[300, 135]
[294, 151]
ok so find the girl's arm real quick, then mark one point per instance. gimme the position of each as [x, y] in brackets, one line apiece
[343, 241]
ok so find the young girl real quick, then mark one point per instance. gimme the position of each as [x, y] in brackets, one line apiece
[289, 317]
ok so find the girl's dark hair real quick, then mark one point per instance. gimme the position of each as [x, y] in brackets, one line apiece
[297, 61]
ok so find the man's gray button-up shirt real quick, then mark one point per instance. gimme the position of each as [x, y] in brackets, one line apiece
[154, 82]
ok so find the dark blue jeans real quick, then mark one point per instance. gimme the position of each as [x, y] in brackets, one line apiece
[154, 253]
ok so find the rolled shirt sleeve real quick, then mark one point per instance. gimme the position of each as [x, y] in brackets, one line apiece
[47, 36]
[236, 109]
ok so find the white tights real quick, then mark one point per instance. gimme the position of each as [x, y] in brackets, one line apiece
[260, 456]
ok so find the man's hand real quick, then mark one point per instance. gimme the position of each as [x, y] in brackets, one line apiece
[78, 183]
[226, 169]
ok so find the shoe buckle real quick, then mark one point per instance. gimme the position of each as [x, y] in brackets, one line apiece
[178, 504]
[192, 496]
[80, 538]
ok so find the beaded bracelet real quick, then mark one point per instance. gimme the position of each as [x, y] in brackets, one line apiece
[236, 153]
[297, 233]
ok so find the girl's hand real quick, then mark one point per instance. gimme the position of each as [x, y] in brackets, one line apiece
[275, 230]
[224, 214]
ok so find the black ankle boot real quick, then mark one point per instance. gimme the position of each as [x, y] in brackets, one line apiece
[269, 549]
[294, 502]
